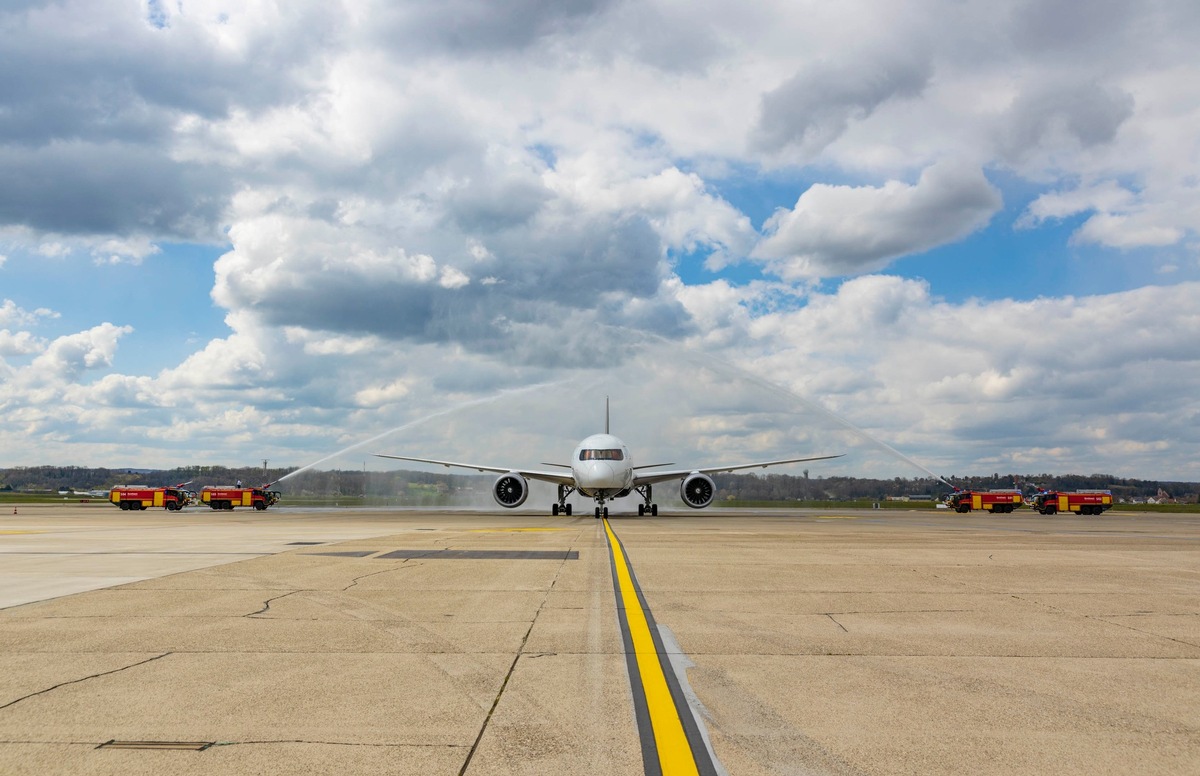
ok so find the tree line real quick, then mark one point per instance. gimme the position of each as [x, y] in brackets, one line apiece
[748, 487]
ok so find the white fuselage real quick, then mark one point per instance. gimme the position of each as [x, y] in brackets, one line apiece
[602, 467]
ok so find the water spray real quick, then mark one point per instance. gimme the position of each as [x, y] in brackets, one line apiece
[720, 366]
[419, 421]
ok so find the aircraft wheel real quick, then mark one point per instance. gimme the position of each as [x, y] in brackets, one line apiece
[568, 510]
[641, 510]
[654, 510]
[554, 510]
[597, 513]
[606, 513]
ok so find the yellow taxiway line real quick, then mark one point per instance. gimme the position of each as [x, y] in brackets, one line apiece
[675, 755]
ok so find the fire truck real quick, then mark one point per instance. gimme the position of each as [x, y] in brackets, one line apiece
[230, 496]
[142, 496]
[1083, 502]
[963, 501]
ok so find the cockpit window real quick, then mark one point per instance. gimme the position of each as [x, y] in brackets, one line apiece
[601, 455]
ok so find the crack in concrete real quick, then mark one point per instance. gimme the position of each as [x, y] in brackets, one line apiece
[88, 744]
[1105, 618]
[267, 603]
[401, 567]
[513, 667]
[1063, 611]
[835, 622]
[84, 679]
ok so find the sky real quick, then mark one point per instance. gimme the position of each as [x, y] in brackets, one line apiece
[942, 236]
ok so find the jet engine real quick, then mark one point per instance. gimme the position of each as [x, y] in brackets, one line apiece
[510, 490]
[697, 490]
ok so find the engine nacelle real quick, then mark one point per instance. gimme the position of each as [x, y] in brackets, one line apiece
[510, 490]
[697, 490]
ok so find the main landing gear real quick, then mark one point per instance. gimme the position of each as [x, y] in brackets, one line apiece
[647, 507]
[647, 493]
[562, 507]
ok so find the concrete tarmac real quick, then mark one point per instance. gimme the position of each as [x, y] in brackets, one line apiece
[292, 641]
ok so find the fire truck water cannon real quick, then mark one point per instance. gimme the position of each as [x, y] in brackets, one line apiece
[995, 501]
[1082, 502]
[230, 496]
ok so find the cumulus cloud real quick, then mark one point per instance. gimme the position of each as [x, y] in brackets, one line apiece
[424, 204]
[12, 315]
[67, 357]
[19, 343]
[87, 132]
[813, 108]
[847, 230]
[1048, 119]
[1119, 217]
[998, 383]
[477, 26]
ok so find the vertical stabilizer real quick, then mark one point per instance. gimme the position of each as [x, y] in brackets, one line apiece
[606, 431]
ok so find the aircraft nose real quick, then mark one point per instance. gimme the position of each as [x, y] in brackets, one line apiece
[602, 474]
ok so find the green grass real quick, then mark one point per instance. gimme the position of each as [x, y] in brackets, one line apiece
[1168, 508]
[862, 503]
[928, 506]
[13, 497]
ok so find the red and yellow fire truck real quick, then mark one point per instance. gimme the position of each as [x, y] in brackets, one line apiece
[143, 496]
[964, 501]
[1083, 502]
[230, 496]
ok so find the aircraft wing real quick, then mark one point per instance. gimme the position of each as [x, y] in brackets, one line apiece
[651, 478]
[558, 478]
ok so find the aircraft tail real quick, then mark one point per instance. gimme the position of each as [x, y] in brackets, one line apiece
[606, 431]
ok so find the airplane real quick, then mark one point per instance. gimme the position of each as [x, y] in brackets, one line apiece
[601, 468]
